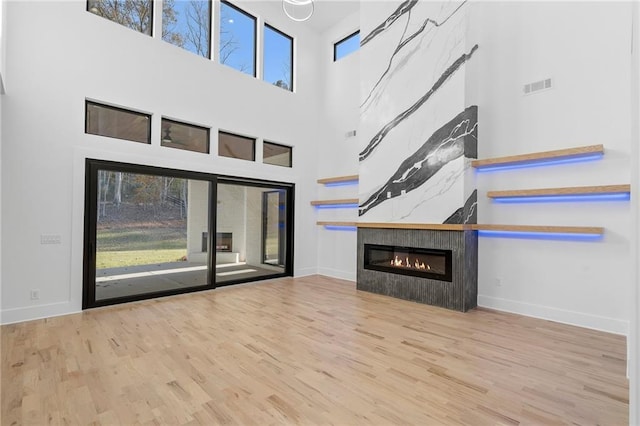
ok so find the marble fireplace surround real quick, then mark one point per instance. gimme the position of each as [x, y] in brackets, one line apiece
[460, 294]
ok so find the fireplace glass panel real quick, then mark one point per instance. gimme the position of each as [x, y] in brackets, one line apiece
[427, 263]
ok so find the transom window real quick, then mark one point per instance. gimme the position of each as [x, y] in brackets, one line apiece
[184, 136]
[237, 38]
[119, 123]
[278, 58]
[346, 46]
[187, 24]
[134, 14]
[276, 154]
[236, 146]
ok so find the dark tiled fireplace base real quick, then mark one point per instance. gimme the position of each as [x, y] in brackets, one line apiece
[460, 294]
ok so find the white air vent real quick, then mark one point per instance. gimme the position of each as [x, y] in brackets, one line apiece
[537, 86]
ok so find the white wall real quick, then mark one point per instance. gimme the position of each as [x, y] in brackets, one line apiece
[197, 219]
[337, 152]
[57, 55]
[3, 39]
[634, 333]
[3, 27]
[583, 283]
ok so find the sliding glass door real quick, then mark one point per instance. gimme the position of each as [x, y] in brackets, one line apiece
[148, 232]
[253, 219]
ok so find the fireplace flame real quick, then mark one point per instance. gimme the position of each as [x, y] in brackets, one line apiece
[407, 264]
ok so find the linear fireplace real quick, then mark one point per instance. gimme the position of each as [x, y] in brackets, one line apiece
[417, 262]
[449, 278]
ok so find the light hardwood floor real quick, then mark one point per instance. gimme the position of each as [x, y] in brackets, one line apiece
[311, 351]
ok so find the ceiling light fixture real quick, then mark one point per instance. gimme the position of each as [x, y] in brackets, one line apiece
[298, 10]
[166, 138]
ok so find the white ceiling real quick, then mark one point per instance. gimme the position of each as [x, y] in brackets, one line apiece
[330, 12]
[327, 13]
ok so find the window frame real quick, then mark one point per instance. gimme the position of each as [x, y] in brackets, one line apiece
[335, 45]
[255, 36]
[164, 119]
[92, 166]
[116, 108]
[151, 18]
[290, 220]
[271, 27]
[282, 145]
[255, 140]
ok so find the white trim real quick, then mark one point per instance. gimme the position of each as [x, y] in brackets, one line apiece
[29, 313]
[304, 272]
[337, 273]
[595, 322]
[633, 349]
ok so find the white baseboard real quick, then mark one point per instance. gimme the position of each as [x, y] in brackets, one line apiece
[610, 325]
[10, 316]
[336, 273]
[305, 272]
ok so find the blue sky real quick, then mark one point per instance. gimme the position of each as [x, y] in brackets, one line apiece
[347, 46]
[277, 57]
[237, 42]
[240, 29]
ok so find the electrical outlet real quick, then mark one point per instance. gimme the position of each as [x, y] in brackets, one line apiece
[498, 281]
[35, 294]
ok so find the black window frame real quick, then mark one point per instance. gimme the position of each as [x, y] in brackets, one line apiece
[282, 145]
[335, 45]
[271, 27]
[184, 123]
[151, 16]
[255, 140]
[289, 217]
[116, 108]
[255, 36]
[93, 166]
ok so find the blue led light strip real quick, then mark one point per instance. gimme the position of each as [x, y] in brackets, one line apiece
[564, 236]
[539, 163]
[614, 196]
[337, 206]
[341, 228]
[343, 183]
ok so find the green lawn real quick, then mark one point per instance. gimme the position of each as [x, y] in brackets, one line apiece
[116, 259]
[147, 238]
[140, 246]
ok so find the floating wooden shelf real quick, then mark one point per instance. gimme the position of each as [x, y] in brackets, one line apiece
[473, 227]
[544, 229]
[581, 151]
[575, 190]
[432, 226]
[336, 223]
[338, 179]
[335, 202]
